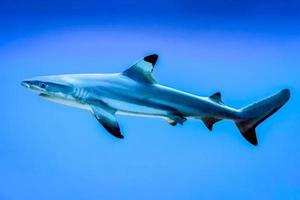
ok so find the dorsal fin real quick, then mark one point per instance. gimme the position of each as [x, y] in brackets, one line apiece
[216, 98]
[142, 70]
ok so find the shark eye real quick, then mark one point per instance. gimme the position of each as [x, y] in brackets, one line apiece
[43, 85]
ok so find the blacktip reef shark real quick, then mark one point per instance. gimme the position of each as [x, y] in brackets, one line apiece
[136, 92]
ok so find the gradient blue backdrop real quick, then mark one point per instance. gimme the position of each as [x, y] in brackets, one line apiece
[245, 49]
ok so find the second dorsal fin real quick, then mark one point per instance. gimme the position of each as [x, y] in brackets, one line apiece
[216, 98]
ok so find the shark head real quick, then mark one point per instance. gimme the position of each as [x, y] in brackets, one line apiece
[50, 86]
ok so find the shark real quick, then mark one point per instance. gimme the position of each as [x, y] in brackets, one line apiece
[136, 92]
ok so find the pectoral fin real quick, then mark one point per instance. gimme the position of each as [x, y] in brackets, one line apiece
[106, 116]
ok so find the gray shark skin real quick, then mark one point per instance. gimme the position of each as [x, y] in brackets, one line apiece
[135, 92]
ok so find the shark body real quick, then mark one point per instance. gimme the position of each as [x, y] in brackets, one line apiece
[135, 92]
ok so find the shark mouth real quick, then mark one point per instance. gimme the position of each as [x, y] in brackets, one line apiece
[44, 95]
[50, 97]
[47, 96]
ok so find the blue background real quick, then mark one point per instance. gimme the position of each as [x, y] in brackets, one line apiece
[245, 49]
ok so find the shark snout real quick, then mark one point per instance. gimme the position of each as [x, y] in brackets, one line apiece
[26, 84]
[33, 85]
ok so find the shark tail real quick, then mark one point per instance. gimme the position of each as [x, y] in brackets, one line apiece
[254, 114]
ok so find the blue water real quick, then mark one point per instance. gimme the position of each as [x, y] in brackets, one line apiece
[246, 50]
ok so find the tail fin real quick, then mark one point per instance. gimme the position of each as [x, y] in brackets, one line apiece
[256, 113]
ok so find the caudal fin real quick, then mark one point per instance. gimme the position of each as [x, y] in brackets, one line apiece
[256, 113]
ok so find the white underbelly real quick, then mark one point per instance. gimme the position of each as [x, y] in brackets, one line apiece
[140, 114]
[125, 108]
[68, 102]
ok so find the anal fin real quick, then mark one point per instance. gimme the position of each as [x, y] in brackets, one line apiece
[209, 122]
